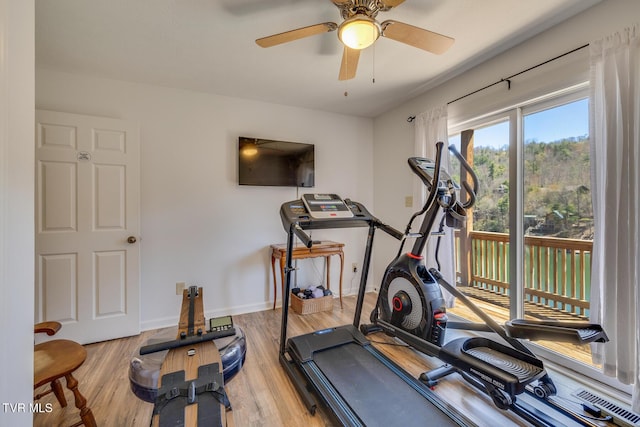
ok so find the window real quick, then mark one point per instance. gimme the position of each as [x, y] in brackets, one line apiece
[526, 252]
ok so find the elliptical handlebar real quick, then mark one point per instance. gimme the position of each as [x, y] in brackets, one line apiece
[471, 191]
[428, 181]
[433, 192]
[429, 205]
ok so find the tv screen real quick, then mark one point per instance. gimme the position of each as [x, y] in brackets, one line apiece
[275, 163]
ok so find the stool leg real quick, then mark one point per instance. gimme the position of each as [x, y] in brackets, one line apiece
[81, 403]
[59, 392]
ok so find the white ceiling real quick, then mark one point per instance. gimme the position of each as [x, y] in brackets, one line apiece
[208, 46]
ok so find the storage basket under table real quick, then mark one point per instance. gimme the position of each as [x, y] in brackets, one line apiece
[311, 305]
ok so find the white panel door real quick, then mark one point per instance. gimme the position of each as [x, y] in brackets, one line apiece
[87, 225]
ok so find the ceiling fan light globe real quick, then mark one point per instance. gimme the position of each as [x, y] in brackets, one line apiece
[359, 32]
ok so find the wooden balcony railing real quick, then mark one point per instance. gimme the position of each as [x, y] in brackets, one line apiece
[557, 272]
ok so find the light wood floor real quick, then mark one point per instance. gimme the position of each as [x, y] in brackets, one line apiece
[261, 394]
[581, 353]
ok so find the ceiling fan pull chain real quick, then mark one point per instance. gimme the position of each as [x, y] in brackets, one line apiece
[373, 78]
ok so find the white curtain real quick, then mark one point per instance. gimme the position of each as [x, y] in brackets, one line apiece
[431, 127]
[615, 180]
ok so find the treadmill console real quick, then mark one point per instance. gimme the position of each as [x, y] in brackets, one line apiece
[315, 211]
[326, 206]
[319, 211]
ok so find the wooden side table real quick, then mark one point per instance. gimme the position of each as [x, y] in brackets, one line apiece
[323, 249]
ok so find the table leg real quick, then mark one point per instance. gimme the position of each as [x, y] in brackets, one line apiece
[275, 283]
[341, 254]
[327, 262]
[282, 263]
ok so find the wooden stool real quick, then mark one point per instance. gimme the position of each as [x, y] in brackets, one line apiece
[56, 359]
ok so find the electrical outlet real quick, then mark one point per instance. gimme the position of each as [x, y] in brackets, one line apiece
[354, 267]
[408, 201]
[180, 287]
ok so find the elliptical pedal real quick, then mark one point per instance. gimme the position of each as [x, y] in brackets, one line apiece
[567, 331]
[493, 364]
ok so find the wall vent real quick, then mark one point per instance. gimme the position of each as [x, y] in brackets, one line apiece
[621, 416]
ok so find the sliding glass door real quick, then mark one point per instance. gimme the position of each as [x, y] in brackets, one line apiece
[558, 215]
[526, 250]
[483, 246]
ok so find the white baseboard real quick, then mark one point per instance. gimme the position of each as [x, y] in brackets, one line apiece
[167, 322]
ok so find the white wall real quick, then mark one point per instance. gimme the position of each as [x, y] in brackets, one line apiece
[394, 136]
[198, 224]
[16, 209]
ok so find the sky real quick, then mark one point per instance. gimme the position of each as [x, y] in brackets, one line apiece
[569, 120]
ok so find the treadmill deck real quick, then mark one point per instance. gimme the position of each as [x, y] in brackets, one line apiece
[363, 387]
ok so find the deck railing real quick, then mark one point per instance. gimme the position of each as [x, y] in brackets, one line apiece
[557, 272]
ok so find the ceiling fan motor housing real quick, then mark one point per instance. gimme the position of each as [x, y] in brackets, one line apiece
[361, 7]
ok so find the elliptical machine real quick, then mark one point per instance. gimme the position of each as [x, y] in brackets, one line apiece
[410, 298]
[411, 307]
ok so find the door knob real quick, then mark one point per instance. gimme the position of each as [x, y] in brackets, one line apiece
[131, 239]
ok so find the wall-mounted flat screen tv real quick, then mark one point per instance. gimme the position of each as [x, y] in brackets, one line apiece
[275, 163]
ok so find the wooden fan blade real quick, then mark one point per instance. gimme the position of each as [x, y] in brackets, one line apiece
[416, 37]
[300, 33]
[391, 3]
[349, 64]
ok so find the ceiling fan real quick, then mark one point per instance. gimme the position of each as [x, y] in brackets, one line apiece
[359, 29]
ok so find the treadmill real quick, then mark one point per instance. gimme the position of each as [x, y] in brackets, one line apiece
[338, 367]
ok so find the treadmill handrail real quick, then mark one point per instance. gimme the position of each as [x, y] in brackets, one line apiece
[391, 231]
[304, 237]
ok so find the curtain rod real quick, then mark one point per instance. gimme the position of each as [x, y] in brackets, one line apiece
[508, 79]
